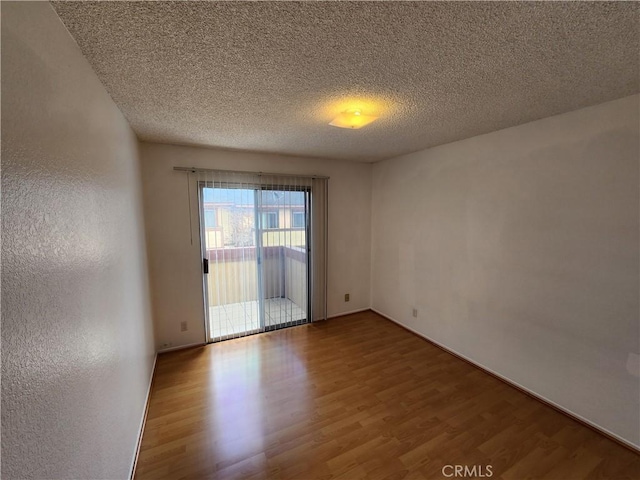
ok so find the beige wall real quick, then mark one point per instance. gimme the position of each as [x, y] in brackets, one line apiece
[174, 262]
[296, 284]
[520, 250]
[77, 340]
[290, 238]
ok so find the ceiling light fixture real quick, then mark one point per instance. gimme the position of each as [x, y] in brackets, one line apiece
[352, 119]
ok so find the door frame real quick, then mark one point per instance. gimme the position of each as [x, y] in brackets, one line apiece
[257, 189]
[257, 203]
[203, 254]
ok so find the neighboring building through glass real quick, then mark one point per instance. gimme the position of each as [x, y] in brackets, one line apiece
[229, 217]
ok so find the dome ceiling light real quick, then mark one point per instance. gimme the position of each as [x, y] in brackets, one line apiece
[353, 119]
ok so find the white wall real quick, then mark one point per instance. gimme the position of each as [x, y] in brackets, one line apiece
[174, 263]
[77, 341]
[520, 250]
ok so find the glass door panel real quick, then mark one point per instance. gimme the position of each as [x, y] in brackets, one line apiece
[283, 232]
[229, 239]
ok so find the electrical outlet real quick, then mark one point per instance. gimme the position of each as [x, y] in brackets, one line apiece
[166, 345]
[183, 326]
[346, 297]
[415, 312]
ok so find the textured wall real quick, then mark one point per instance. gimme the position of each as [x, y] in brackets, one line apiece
[520, 251]
[174, 263]
[77, 341]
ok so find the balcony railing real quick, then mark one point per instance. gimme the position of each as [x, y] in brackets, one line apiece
[284, 273]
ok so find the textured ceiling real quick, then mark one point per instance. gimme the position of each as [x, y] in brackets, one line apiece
[270, 76]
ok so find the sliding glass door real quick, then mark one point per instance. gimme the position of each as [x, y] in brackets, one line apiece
[282, 256]
[255, 257]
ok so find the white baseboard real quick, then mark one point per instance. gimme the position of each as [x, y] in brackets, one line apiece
[182, 347]
[543, 399]
[348, 313]
[143, 420]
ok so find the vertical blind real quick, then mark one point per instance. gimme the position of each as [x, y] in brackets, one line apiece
[264, 250]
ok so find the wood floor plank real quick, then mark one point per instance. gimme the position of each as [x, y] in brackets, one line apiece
[354, 397]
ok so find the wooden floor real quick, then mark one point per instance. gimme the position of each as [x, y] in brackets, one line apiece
[355, 397]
